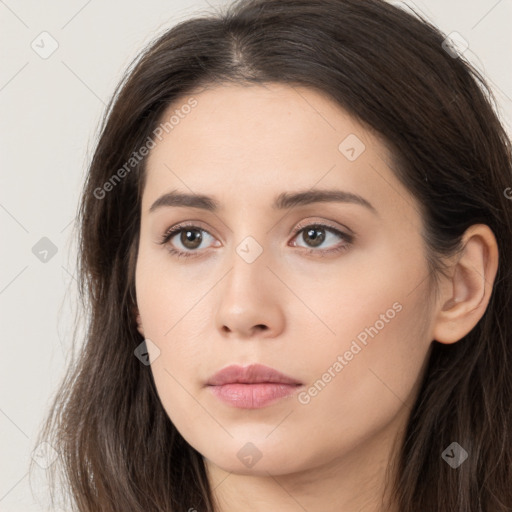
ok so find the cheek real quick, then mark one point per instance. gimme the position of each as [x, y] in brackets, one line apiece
[166, 294]
[173, 311]
[378, 303]
[355, 398]
[366, 349]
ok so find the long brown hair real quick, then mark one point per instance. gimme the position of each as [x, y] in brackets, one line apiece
[390, 69]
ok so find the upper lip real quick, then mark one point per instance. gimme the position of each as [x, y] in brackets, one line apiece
[252, 374]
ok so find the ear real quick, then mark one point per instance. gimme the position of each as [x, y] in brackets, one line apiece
[465, 295]
[138, 321]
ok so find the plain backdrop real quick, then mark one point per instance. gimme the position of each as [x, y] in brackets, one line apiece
[50, 109]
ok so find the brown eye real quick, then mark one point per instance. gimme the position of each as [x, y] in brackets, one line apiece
[185, 241]
[314, 236]
[322, 239]
[191, 238]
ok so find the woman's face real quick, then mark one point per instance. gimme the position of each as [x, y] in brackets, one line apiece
[331, 291]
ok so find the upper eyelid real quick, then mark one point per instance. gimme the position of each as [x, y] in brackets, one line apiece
[181, 226]
[304, 224]
[297, 226]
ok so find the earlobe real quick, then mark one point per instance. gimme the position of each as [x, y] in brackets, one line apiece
[466, 294]
[138, 322]
[139, 327]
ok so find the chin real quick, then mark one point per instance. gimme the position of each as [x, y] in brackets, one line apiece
[259, 460]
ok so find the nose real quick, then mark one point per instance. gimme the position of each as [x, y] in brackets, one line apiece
[251, 299]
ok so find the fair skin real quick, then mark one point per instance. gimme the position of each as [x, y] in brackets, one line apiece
[289, 309]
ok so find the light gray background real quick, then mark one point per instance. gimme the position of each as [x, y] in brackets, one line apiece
[50, 110]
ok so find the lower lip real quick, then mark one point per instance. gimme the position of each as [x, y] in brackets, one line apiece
[252, 396]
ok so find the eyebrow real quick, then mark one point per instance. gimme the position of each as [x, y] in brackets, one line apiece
[283, 201]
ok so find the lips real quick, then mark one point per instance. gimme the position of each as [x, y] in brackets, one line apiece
[251, 387]
[252, 374]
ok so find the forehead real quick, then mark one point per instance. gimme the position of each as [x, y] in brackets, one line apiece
[246, 119]
[259, 141]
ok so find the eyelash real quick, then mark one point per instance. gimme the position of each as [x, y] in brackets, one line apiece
[171, 232]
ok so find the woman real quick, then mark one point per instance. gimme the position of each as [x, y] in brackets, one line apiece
[295, 248]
